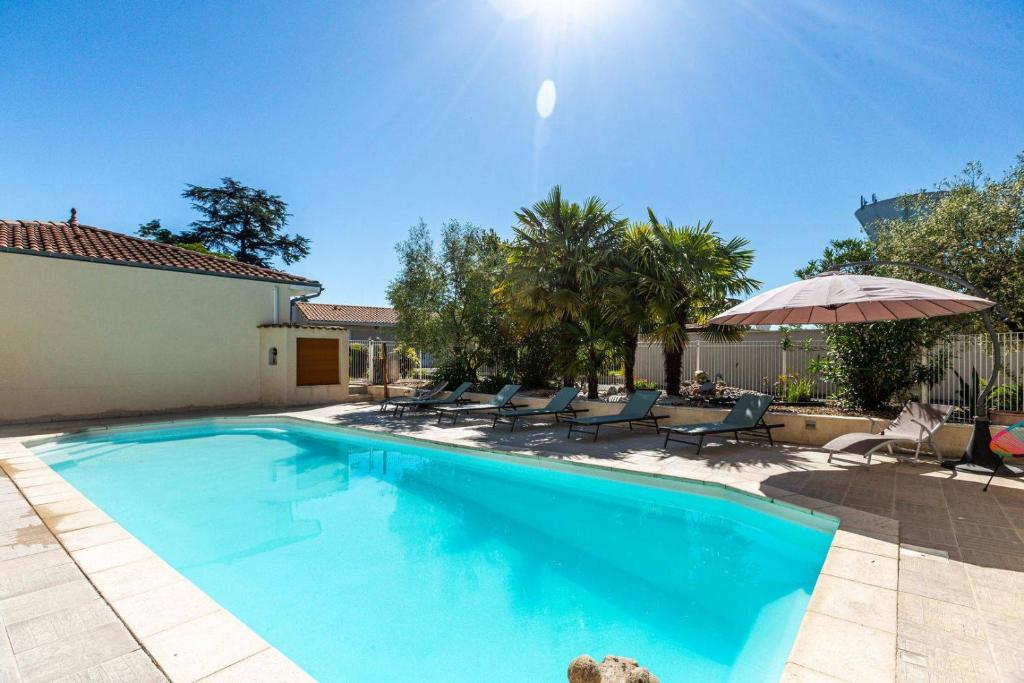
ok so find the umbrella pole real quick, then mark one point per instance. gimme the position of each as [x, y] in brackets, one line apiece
[979, 458]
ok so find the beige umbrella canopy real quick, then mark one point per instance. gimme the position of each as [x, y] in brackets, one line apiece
[836, 297]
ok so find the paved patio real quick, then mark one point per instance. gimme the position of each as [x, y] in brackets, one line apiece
[951, 556]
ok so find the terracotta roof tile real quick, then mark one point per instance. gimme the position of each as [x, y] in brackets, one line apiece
[53, 238]
[339, 313]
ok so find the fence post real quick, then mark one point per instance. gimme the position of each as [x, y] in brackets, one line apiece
[785, 365]
[924, 383]
[699, 366]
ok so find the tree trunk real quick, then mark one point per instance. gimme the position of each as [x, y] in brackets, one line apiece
[673, 372]
[591, 374]
[629, 361]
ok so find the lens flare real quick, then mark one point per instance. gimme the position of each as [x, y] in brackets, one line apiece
[546, 98]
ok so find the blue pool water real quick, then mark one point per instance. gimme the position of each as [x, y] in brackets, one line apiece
[372, 558]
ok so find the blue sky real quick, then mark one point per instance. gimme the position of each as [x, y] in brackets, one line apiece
[770, 118]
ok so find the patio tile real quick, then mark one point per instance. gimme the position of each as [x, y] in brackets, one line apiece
[27, 541]
[63, 507]
[201, 647]
[852, 540]
[857, 520]
[934, 621]
[17, 583]
[844, 650]
[134, 667]
[855, 601]
[47, 628]
[999, 600]
[80, 539]
[927, 537]
[45, 601]
[794, 673]
[862, 567]
[133, 578]
[108, 555]
[934, 577]
[989, 545]
[78, 520]
[71, 655]
[1008, 657]
[267, 665]
[164, 607]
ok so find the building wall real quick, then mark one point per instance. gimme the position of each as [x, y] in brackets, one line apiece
[80, 338]
[278, 379]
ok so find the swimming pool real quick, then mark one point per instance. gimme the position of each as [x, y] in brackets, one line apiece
[369, 557]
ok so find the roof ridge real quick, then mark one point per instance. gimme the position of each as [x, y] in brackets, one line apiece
[123, 248]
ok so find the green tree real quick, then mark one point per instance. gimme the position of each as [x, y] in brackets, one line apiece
[558, 263]
[444, 298]
[245, 222]
[975, 230]
[185, 239]
[698, 275]
[869, 363]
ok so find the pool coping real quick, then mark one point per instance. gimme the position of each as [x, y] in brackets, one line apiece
[848, 631]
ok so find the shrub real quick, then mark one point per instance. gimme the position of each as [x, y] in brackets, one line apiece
[408, 360]
[871, 363]
[494, 383]
[644, 384]
[795, 388]
[455, 371]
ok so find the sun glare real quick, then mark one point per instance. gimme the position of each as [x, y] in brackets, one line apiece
[551, 10]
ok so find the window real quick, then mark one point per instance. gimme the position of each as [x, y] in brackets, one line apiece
[317, 362]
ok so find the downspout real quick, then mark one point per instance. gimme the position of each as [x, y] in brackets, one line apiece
[305, 297]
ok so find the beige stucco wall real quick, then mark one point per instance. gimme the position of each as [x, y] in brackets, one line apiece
[278, 380]
[80, 338]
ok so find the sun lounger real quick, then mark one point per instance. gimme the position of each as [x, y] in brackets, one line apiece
[637, 410]
[453, 397]
[746, 416]
[420, 395]
[916, 424]
[560, 404]
[502, 399]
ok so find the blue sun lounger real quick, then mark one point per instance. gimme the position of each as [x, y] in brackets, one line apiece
[746, 416]
[637, 410]
[503, 399]
[560, 404]
[453, 397]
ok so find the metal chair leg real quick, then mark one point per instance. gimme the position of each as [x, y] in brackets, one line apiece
[994, 473]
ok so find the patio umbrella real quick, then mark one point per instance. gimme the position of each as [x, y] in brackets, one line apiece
[836, 297]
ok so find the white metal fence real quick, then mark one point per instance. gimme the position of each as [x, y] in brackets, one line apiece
[967, 360]
[760, 366]
[366, 362]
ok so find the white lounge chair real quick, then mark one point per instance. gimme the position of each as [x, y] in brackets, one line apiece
[916, 424]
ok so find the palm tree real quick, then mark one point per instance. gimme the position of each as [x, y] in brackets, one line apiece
[628, 307]
[558, 263]
[698, 275]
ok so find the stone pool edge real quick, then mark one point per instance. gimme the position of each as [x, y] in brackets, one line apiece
[185, 632]
[848, 632]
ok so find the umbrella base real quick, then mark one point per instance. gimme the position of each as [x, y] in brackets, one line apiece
[979, 458]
